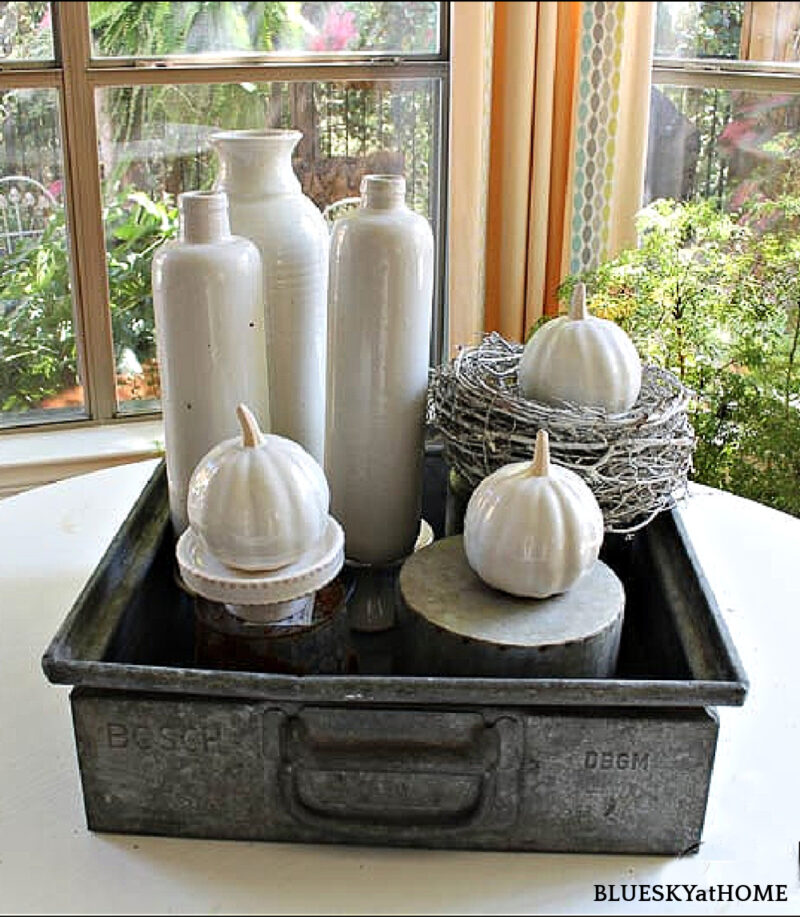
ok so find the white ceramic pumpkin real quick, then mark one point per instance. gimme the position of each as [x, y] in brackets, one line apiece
[580, 358]
[533, 528]
[259, 501]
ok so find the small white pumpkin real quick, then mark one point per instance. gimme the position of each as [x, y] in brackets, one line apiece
[259, 501]
[533, 528]
[580, 358]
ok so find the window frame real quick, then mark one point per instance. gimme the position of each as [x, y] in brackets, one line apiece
[751, 76]
[76, 75]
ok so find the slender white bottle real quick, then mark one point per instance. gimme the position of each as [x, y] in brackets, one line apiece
[268, 206]
[379, 321]
[209, 312]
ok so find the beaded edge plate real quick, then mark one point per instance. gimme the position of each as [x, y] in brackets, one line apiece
[209, 577]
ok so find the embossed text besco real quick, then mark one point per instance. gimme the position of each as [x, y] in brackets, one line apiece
[165, 738]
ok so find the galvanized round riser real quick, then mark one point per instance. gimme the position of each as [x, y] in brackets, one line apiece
[457, 625]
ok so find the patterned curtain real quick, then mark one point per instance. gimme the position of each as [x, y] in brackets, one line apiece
[610, 132]
[565, 105]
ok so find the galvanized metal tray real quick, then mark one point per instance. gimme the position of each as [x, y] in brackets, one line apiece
[381, 756]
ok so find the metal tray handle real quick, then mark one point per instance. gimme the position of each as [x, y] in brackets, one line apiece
[400, 776]
[355, 799]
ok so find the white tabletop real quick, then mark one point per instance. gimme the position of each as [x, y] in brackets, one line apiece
[52, 538]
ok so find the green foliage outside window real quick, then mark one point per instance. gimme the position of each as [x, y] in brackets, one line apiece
[136, 226]
[712, 291]
[37, 340]
[38, 355]
[124, 28]
[699, 29]
[714, 297]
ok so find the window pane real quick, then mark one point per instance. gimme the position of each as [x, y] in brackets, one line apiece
[737, 147]
[26, 32]
[154, 145]
[38, 360]
[729, 31]
[714, 286]
[133, 29]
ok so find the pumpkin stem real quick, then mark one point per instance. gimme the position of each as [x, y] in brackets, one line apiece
[577, 308]
[251, 432]
[540, 466]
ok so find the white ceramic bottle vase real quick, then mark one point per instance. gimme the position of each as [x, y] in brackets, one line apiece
[268, 207]
[379, 321]
[208, 300]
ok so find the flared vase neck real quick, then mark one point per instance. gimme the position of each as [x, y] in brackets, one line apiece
[254, 163]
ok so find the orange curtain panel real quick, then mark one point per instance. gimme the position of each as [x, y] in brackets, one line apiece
[555, 103]
[532, 100]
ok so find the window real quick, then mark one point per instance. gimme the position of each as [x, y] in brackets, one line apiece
[725, 102]
[106, 109]
[720, 255]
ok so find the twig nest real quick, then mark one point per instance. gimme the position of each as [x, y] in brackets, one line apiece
[636, 463]
[259, 501]
[533, 528]
[582, 359]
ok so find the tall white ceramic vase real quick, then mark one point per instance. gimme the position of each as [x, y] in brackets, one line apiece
[379, 321]
[268, 207]
[208, 300]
